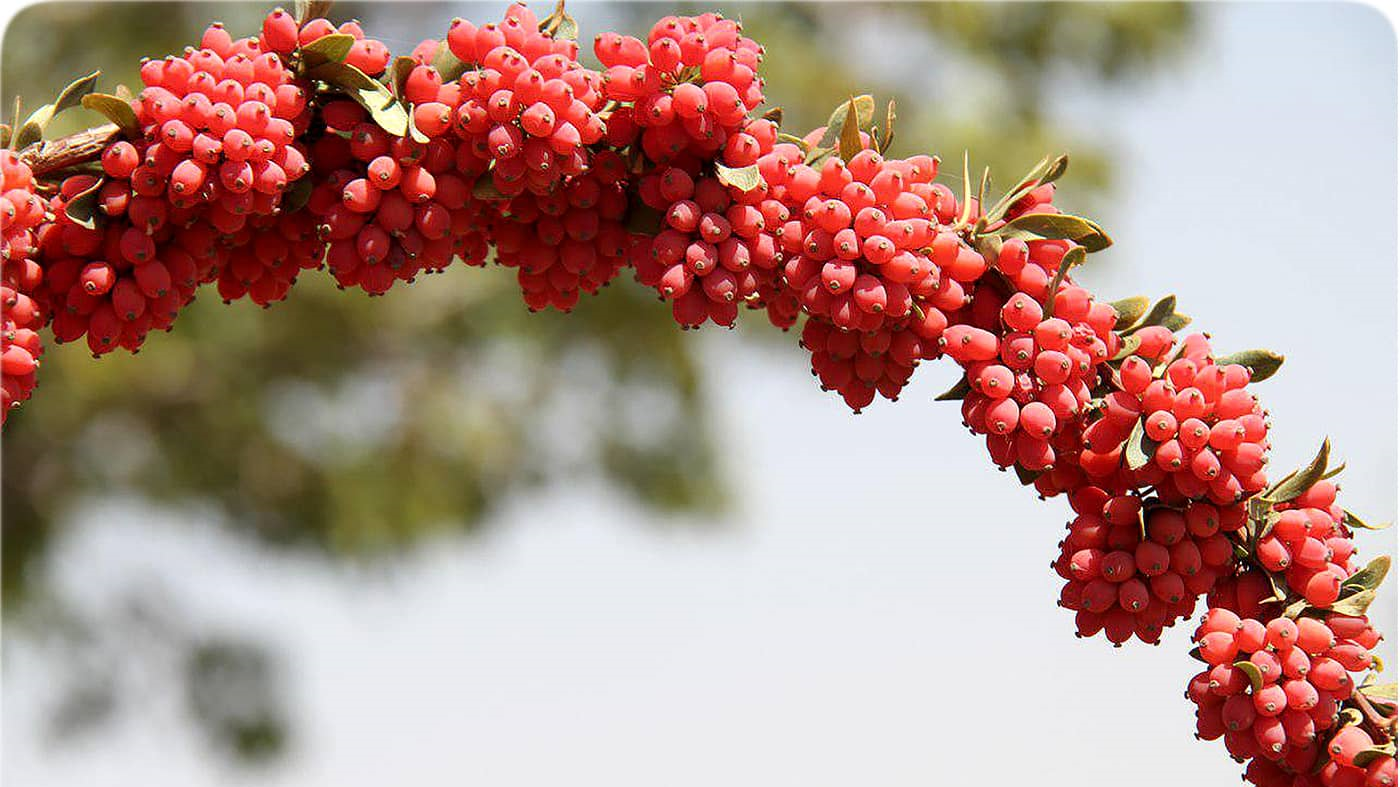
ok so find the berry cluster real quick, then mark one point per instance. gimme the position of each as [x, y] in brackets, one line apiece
[1273, 692]
[21, 282]
[685, 91]
[1309, 545]
[221, 128]
[1130, 572]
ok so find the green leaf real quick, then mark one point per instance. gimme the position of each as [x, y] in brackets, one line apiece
[1139, 449]
[957, 393]
[1354, 605]
[798, 141]
[72, 95]
[1159, 313]
[1365, 757]
[447, 64]
[297, 195]
[306, 10]
[1048, 170]
[1380, 691]
[398, 74]
[1368, 578]
[5, 133]
[1295, 609]
[369, 93]
[567, 29]
[888, 138]
[1354, 522]
[1298, 482]
[327, 49]
[32, 129]
[741, 178]
[413, 132]
[1262, 364]
[1056, 226]
[1255, 675]
[1130, 345]
[1335, 471]
[1026, 477]
[1072, 258]
[116, 110]
[865, 110]
[82, 208]
[850, 133]
[817, 155]
[1130, 310]
[774, 115]
[1175, 322]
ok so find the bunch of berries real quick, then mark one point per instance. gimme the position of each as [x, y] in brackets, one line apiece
[133, 272]
[1309, 545]
[21, 282]
[1273, 690]
[1124, 583]
[718, 248]
[271, 252]
[388, 206]
[528, 107]
[282, 34]
[862, 252]
[685, 91]
[221, 127]
[570, 241]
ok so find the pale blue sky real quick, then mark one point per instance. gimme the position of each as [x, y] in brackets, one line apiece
[834, 634]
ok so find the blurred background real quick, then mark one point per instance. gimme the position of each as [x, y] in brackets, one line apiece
[434, 539]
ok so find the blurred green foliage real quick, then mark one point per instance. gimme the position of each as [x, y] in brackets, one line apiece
[345, 427]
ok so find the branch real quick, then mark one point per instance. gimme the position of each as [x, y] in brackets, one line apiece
[46, 156]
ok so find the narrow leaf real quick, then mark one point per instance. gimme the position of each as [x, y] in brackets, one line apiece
[798, 141]
[1354, 605]
[1365, 757]
[1334, 472]
[1380, 691]
[82, 208]
[116, 110]
[1175, 322]
[72, 95]
[1255, 675]
[1130, 345]
[865, 110]
[1048, 170]
[888, 138]
[1026, 477]
[327, 49]
[1262, 364]
[1056, 226]
[957, 393]
[1295, 609]
[1160, 311]
[1129, 310]
[1298, 483]
[1354, 522]
[1072, 258]
[774, 115]
[741, 178]
[850, 132]
[398, 74]
[32, 130]
[1139, 449]
[447, 64]
[967, 193]
[1368, 578]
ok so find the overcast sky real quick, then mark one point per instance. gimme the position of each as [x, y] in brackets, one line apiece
[891, 624]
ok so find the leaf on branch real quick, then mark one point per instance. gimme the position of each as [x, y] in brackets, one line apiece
[865, 110]
[1072, 258]
[297, 195]
[1057, 226]
[1130, 346]
[369, 93]
[1175, 322]
[1354, 522]
[399, 70]
[5, 133]
[447, 64]
[1026, 477]
[1255, 675]
[1299, 481]
[1048, 170]
[1354, 605]
[115, 109]
[741, 178]
[1129, 310]
[1292, 611]
[1139, 449]
[73, 94]
[957, 393]
[82, 208]
[850, 133]
[774, 116]
[559, 24]
[1158, 314]
[1333, 472]
[798, 141]
[306, 10]
[1368, 578]
[1365, 757]
[888, 138]
[1262, 364]
[331, 48]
